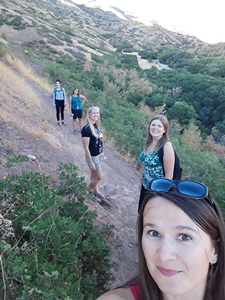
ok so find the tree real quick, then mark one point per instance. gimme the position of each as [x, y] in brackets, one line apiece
[192, 136]
[182, 112]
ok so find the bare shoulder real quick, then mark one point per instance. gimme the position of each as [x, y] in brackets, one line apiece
[118, 294]
[168, 145]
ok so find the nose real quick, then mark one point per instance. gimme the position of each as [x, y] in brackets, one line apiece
[167, 250]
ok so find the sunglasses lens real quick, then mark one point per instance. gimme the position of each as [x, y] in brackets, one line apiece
[160, 185]
[192, 189]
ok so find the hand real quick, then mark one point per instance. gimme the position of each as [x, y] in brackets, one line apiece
[92, 166]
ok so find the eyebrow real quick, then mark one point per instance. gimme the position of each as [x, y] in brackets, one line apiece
[150, 225]
[179, 227]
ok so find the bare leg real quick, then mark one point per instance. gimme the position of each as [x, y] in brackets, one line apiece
[95, 178]
[81, 123]
[74, 124]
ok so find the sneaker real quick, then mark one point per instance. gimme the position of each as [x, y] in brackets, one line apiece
[75, 132]
[98, 200]
[63, 123]
[59, 123]
[99, 196]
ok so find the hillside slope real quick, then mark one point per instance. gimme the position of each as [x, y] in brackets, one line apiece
[28, 128]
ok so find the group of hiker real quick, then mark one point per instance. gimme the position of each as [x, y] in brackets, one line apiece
[181, 230]
[90, 132]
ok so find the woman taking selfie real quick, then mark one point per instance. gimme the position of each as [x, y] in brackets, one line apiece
[181, 240]
[93, 147]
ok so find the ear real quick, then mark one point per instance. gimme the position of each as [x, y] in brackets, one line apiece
[214, 257]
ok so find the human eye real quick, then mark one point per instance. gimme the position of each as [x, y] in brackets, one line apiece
[153, 233]
[184, 237]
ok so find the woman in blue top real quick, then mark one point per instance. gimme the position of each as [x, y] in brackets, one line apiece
[75, 108]
[157, 137]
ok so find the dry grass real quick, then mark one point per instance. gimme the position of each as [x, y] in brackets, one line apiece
[20, 67]
[19, 104]
[18, 91]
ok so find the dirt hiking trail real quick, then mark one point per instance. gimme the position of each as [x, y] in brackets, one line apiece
[59, 144]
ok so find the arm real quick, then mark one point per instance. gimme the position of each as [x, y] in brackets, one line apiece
[86, 141]
[118, 294]
[70, 106]
[168, 160]
[54, 97]
[83, 98]
[142, 170]
[64, 96]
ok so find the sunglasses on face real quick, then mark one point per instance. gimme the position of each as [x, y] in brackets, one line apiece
[186, 187]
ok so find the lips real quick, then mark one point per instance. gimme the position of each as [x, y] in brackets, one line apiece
[168, 272]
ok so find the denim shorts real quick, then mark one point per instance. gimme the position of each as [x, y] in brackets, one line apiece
[97, 161]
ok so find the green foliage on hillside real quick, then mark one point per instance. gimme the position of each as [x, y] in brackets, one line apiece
[53, 250]
[49, 245]
[127, 123]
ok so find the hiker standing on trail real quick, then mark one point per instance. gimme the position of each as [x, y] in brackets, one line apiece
[75, 108]
[93, 147]
[59, 101]
[156, 165]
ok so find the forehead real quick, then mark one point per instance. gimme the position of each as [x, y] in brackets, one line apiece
[95, 109]
[156, 122]
[161, 210]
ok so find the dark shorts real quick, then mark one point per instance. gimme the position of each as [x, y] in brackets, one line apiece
[77, 113]
[142, 196]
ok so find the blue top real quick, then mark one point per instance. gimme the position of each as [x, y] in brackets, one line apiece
[76, 102]
[153, 167]
[59, 95]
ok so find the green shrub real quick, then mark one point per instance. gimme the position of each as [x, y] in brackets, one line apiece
[54, 41]
[56, 251]
[75, 53]
[97, 58]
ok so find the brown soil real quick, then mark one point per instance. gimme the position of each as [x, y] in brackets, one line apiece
[52, 144]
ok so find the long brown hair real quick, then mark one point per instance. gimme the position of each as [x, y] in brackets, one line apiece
[210, 221]
[165, 137]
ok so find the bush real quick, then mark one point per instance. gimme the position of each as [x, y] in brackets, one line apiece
[54, 41]
[16, 22]
[54, 251]
[76, 54]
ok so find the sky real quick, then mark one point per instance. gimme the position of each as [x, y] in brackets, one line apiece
[204, 19]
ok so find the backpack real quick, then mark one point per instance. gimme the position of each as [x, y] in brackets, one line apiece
[61, 89]
[177, 169]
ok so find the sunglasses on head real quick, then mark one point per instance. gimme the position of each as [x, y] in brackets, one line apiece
[93, 106]
[186, 187]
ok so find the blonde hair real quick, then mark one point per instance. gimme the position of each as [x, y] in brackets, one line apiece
[88, 120]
